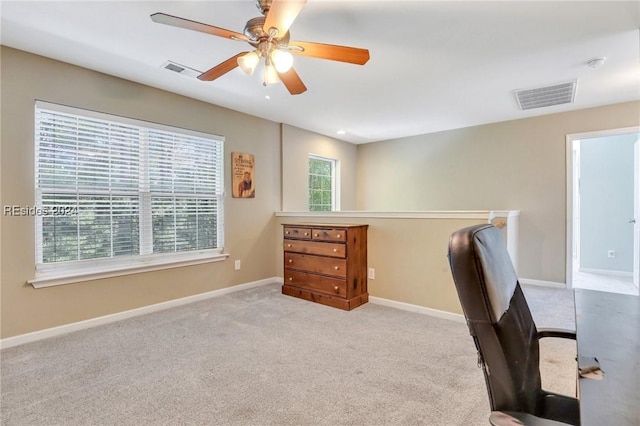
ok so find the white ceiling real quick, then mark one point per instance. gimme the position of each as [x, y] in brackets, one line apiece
[434, 65]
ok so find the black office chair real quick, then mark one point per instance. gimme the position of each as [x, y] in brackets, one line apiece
[504, 333]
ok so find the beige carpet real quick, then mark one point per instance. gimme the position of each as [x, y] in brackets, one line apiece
[257, 357]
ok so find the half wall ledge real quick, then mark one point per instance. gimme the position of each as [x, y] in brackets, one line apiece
[507, 220]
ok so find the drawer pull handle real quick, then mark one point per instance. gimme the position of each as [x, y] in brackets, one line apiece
[290, 279]
[288, 245]
[317, 235]
[336, 268]
[336, 288]
[306, 233]
[338, 235]
[335, 250]
[290, 260]
[287, 232]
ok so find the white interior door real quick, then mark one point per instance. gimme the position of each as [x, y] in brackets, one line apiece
[636, 214]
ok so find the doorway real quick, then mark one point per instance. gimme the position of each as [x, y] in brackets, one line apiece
[603, 192]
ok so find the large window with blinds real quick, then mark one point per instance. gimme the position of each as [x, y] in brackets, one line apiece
[114, 190]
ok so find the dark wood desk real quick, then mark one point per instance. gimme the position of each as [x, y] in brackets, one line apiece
[608, 328]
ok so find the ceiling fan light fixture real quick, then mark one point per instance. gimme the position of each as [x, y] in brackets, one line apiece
[270, 73]
[249, 62]
[282, 59]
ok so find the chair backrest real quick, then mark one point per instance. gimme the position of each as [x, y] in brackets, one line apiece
[498, 318]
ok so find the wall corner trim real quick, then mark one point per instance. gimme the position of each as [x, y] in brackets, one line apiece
[119, 316]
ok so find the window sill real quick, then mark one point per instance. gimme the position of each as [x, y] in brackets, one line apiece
[55, 278]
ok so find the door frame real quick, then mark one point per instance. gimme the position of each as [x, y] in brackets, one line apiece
[636, 213]
[570, 190]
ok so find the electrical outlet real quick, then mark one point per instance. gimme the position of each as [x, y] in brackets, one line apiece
[611, 253]
[372, 274]
[237, 265]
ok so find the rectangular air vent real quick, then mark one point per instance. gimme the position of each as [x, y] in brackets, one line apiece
[539, 97]
[181, 69]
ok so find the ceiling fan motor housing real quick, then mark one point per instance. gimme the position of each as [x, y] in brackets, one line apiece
[254, 29]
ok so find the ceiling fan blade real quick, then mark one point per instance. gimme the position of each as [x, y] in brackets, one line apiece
[281, 15]
[163, 18]
[221, 69]
[292, 82]
[352, 55]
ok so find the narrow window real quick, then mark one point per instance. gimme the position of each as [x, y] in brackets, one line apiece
[322, 194]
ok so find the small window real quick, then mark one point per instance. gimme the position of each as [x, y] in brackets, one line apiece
[118, 190]
[322, 194]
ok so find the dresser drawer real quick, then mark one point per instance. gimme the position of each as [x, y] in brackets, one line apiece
[329, 234]
[301, 233]
[314, 282]
[320, 265]
[314, 247]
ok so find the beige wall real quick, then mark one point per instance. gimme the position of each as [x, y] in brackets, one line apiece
[514, 165]
[249, 223]
[297, 144]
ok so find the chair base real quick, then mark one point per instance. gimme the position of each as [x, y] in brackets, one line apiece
[512, 418]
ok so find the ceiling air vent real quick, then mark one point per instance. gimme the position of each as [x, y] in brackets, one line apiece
[181, 69]
[539, 97]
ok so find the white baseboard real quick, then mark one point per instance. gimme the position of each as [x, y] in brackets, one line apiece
[418, 309]
[93, 322]
[606, 272]
[413, 308]
[540, 283]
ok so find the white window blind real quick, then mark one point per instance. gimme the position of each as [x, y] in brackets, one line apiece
[116, 188]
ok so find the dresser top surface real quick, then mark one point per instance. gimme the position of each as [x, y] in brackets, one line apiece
[324, 225]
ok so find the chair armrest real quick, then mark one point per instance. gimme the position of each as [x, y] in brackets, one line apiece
[556, 332]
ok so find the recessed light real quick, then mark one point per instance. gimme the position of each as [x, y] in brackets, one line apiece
[596, 62]
[341, 132]
[267, 97]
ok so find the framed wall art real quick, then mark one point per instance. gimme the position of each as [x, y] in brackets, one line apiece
[243, 183]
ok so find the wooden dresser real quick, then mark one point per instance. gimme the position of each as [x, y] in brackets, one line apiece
[326, 263]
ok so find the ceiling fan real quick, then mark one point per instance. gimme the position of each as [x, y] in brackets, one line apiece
[270, 38]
